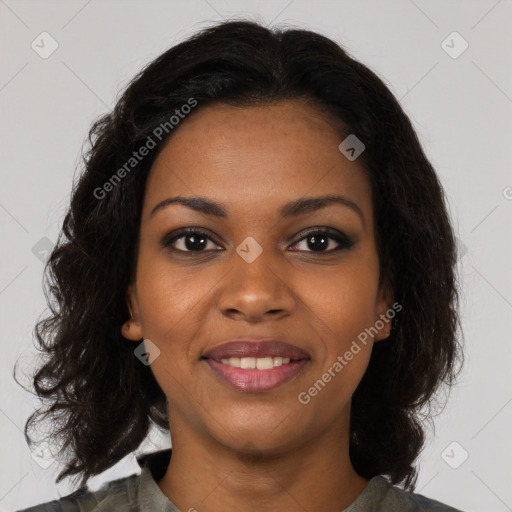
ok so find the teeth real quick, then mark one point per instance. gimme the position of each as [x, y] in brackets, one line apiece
[260, 363]
[265, 363]
[248, 362]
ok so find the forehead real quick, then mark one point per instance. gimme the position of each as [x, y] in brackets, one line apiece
[243, 154]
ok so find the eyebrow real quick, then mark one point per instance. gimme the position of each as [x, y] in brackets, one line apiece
[291, 209]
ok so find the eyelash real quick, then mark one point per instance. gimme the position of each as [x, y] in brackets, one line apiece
[343, 241]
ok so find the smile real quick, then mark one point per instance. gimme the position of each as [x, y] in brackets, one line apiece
[260, 363]
[255, 374]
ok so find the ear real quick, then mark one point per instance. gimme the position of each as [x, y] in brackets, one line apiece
[383, 319]
[132, 328]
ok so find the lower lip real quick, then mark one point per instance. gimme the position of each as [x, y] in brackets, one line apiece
[254, 381]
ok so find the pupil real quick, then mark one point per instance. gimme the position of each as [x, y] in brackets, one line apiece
[319, 242]
[198, 242]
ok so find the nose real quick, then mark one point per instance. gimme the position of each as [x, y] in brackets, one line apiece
[257, 291]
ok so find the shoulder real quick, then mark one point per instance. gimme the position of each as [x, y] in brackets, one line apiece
[383, 497]
[119, 495]
[129, 494]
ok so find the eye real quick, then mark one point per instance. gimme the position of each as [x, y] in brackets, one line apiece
[319, 240]
[190, 240]
[324, 241]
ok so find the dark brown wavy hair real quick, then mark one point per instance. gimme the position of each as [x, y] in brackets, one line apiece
[99, 399]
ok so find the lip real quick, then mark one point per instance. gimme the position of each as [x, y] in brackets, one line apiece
[254, 380]
[252, 347]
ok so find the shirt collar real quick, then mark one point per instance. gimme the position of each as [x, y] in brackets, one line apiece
[157, 462]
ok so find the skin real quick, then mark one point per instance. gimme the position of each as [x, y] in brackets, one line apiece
[234, 450]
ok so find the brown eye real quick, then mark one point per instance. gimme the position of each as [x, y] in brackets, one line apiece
[190, 240]
[324, 241]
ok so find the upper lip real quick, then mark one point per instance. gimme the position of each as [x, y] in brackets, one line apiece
[252, 347]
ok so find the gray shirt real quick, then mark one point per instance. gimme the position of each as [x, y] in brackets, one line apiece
[140, 493]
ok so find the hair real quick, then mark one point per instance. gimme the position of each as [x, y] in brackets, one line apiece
[101, 401]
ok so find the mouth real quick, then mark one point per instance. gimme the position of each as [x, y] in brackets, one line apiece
[255, 365]
[251, 363]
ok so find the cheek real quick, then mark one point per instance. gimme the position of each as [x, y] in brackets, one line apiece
[344, 303]
[345, 298]
[172, 301]
[167, 292]
[352, 307]
[345, 311]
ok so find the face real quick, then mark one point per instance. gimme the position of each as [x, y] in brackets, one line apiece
[264, 269]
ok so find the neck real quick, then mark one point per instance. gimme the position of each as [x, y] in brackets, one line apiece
[206, 476]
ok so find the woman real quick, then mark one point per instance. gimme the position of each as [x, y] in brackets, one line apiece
[257, 259]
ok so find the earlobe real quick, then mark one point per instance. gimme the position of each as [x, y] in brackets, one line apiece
[132, 328]
[384, 332]
[383, 321]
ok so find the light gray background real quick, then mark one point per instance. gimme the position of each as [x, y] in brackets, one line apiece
[460, 107]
